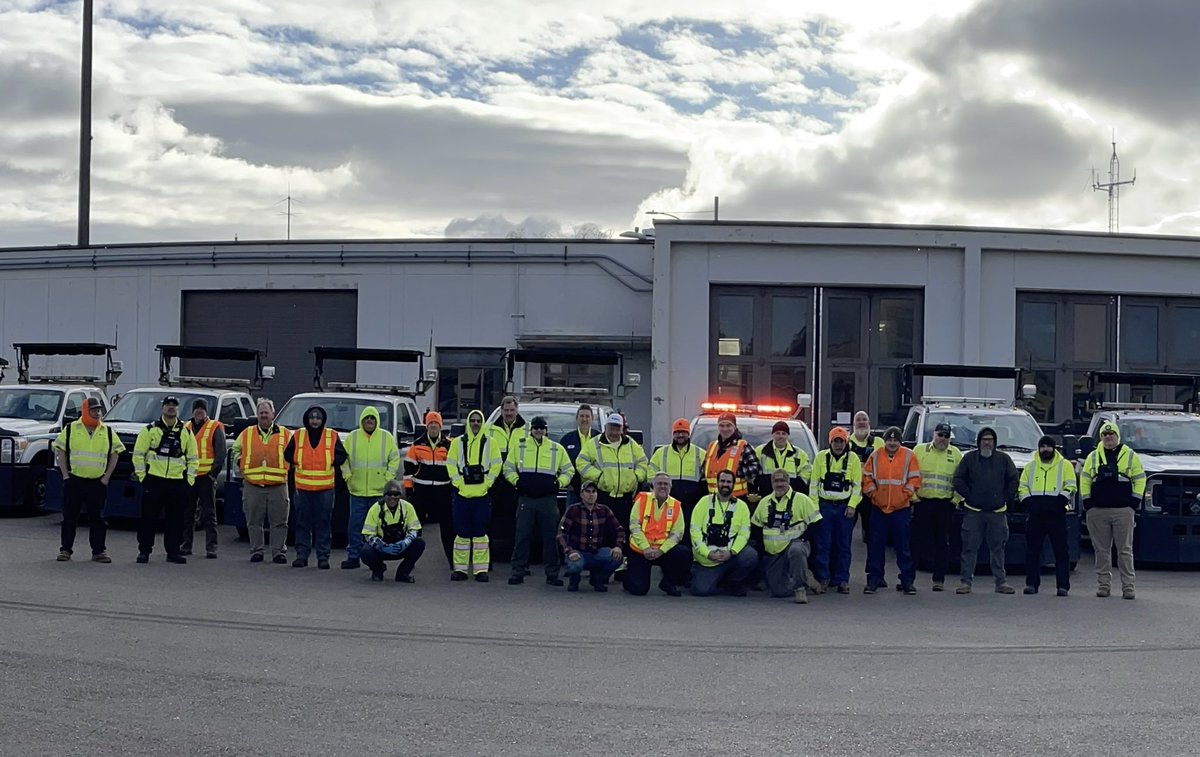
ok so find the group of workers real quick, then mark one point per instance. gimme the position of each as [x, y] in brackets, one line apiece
[721, 519]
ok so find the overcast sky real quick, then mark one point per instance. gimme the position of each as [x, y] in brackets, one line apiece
[459, 117]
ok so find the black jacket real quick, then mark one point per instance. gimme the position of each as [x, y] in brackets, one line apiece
[986, 483]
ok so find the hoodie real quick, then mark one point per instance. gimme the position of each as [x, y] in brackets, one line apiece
[473, 450]
[987, 484]
[371, 459]
[314, 439]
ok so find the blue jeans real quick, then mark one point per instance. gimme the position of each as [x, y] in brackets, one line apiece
[895, 524]
[358, 513]
[836, 534]
[314, 527]
[600, 564]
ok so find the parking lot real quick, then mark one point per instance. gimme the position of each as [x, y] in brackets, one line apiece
[225, 657]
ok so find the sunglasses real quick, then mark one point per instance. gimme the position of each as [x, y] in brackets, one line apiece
[1108, 433]
[391, 494]
[942, 435]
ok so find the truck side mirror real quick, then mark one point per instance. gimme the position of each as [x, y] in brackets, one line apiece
[1087, 444]
[1070, 445]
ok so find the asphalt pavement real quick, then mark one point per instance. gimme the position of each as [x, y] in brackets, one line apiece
[228, 657]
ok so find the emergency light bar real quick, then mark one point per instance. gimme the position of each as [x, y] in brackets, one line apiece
[25, 350]
[425, 379]
[169, 352]
[1096, 399]
[733, 407]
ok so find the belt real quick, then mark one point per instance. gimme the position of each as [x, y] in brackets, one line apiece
[262, 486]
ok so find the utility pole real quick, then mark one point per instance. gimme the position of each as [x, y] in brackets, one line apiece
[83, 223]
[288, 210]
[1113, 187]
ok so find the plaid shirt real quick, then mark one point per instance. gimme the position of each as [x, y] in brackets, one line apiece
[584, 530]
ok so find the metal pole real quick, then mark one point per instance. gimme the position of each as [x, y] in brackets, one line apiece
[85, 129]
[716, 208]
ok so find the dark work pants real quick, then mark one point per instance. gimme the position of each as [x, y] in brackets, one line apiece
[375, 560]
[931, 523]
[895, 524]
[162, 497]
[433, 503]
[203, 498]
[314, 524]
[536, 517]
[1047, 517]
[621, 506]
[79, 493]
[676, 566]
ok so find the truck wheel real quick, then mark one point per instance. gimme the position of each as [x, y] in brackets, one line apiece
[35, 493]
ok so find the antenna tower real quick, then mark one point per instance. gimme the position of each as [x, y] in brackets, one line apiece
[1113, 187]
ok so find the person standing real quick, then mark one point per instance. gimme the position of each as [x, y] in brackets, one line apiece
[210, 447]
[730, 452]
[473, 465]
[862, 443]
[683, 462]
[258, 451]
[1111, 486]
[428, 483]
[573, 442]
[891, 476]
[372, 460]
[720, 533]
[165, 464]
[315, 452]
[933, 509]
[1047, 485]
[617, 464]
[508, 428]
[537, 467]
[592, 539]
[837, 483]
[87, 455]
[987, 481]
[656, 535]
[392, 531]
[781, 454]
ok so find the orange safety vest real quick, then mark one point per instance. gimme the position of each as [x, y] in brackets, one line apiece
[729, 460]
[657, 530]
[314, 467]
[263, 463]
[891, 482]
[204, 445]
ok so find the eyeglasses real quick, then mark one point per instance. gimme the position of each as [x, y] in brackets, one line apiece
[391, 494]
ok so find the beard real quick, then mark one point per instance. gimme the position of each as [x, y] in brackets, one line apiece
[986, 452]
[1046, 456]
[725, 491]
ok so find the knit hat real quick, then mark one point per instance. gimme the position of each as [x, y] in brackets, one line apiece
[781, 426]
[727, 417]
[1110, 426]
[1047, 441]
[433, 417]
[892, 433]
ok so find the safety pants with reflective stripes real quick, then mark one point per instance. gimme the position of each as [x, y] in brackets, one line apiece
[472, 551]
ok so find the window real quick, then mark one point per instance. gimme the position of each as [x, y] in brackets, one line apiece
[74, 408]
[1091, 332]
[844, 328]
[577, 376]
[734, 381]
[1036, 341]
[895, 328]
[789, 326]
[1139, 335]
[1184, 349]
[230, 411]
[735, 325]
[468, 379]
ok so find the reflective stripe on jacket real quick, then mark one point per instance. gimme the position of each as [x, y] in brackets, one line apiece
[262, 462]
[937, 471]
[849, 466]
[784, 519]
[891, 480]
[314, 467]
[655, 525]
[89, 452]
[617, 468]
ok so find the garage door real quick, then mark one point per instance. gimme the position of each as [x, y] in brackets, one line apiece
[285, 325]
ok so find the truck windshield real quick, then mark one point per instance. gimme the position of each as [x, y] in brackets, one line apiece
[146, 407]
[1012, 429]
[1161, 435]
[30, 404]
[342, 413]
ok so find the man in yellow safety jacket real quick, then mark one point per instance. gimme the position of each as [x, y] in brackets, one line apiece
[781, 454]
[537, 467]
[720, 533]
[1047, 488]
[786, 517]
[1111, 486]
[87, 454]
[165, 463]
[684, 463]
[372, 460]
[259, 453]
[836, 483]
[617, 464]
[933, 507]
[473, 464]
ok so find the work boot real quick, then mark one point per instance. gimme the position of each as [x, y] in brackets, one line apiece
[800, 596]
[101, 557]
[405, 578]
[572, 584]
[843, 588]
[740, 590]
[910, 591]
[553, 581]
[350, 563]
[298, 563]
[1030, 590]
[143, 558]
[482, 577]
[669, 590]
[869, 589]
[1062, 592]
[963, 589]
[1127, 593]
[377, 575]
[321, 564]
[63, 556]
[939, 586]
[515, 580]
[279, 559]
[185, 552]
[210, 555]
[458, 575]
[1005, 589]
[601, 587]
[1103, 592]
[256, 557]
[811, 582]
[177, 559]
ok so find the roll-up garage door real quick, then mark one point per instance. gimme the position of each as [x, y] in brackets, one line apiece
[284, 324]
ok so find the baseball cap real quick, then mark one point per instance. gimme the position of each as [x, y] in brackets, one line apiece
[538, 422]
[942, 428]
[681, 424]
[433, 416]
[615, 419]
[170, 399]
[838, 432]
[781, 426]
[891, 433]
[588, 485]
[727, 417]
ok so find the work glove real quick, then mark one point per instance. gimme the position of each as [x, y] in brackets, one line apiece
[377, 543]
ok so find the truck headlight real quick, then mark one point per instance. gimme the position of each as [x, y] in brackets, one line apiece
[1148, 498]
[11, 449]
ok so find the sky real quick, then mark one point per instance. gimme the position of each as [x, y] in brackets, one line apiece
[396, 119]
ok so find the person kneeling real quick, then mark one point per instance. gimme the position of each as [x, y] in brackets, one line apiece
[392, 531]
[591, 537]
[786, 518]
[721, 542]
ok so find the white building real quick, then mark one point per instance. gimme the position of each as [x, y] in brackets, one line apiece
[752, 310]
